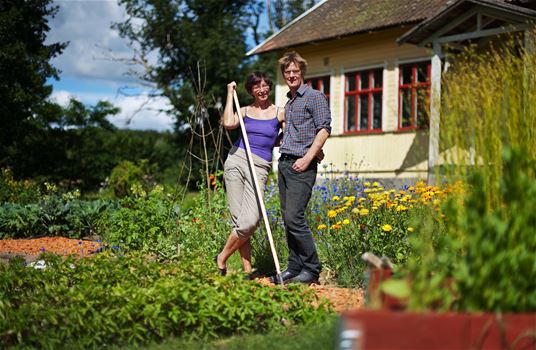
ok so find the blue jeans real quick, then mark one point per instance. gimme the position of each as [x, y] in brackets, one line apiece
[295, 190]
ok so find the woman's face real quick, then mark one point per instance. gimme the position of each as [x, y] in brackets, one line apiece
[260, 91]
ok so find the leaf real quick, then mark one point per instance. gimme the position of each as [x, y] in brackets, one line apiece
[396, 288]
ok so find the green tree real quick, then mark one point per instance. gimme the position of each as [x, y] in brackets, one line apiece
[184, 34]
[24, 70]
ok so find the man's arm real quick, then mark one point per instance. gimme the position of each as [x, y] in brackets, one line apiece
[320, 139]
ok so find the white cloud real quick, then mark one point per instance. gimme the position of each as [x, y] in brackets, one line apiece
[86, 25]
[137, 112]
[87, 75]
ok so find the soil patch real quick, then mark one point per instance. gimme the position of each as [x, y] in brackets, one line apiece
[342, 299]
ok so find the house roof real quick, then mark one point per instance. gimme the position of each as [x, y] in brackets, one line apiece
[455, 9]
[338, 18]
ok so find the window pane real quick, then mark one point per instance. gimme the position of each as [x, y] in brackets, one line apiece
[350, 82]
[377, 111]
[364, 76]
[405, 108]
[363, 112]
[325, 83]
[406, 74]
[378, 78]
[350, 112]
[423, 108]
[422, 72]
[315, 84]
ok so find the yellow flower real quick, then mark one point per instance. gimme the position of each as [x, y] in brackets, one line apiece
[366, 184]
[362, 199]
[387, 228]
[364, 212]
[411, 229]
[335, 198]
[401, 208]
[355, 211]
[332, 213]
[345, 222]
[335, 226]
[321, 227]
[375, 184]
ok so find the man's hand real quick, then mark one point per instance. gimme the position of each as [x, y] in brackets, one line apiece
[301, 164]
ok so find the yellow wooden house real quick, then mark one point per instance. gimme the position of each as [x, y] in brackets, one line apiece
[379, 62]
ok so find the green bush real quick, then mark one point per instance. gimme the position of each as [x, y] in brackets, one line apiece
[144, 221]
[113, 299]
[127, 176]
[482, 258]
[17, 191]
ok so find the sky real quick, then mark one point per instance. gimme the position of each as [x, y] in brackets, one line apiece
[88, 73]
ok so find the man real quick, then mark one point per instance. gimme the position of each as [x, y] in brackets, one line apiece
[308, 125]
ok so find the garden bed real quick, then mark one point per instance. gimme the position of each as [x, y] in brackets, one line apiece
[342, 299]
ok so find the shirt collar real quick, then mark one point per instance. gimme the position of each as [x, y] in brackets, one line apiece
[301, 90]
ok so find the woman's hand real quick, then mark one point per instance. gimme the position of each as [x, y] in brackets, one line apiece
[231, 87]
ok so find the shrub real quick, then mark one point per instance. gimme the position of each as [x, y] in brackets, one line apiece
[145, 222]
[17, 191]
[127, 175]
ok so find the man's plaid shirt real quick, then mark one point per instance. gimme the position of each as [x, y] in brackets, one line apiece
[305, 115]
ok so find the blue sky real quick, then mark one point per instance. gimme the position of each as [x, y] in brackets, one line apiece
[88, 74]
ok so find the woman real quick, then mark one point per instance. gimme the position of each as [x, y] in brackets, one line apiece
[262, 120]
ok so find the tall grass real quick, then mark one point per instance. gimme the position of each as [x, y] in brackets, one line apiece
[489, 104]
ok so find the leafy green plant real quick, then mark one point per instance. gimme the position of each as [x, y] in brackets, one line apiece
[127, 299]
[145, 222]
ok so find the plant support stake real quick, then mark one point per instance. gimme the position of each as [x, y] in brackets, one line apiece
[257, 189]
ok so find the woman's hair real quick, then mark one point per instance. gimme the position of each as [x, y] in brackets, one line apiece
[255, 78]
[293, 57]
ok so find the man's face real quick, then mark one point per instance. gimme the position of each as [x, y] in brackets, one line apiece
[293, 77]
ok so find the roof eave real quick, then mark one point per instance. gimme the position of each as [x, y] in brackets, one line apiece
[252, 51]
[412, 36]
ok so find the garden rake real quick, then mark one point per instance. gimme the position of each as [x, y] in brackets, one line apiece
[258, 190]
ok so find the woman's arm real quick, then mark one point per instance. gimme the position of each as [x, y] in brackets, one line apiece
[281, 117]
[230, 118]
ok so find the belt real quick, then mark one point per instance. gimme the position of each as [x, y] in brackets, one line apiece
[285, 156]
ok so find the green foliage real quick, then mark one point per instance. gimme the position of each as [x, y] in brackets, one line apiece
[54, 214]
[144, 221]
[110, 299]
[484, 259]
[489, 105]
[321, 336]
[127, 177]
[24, 70]
[17, 191]
[205, 226]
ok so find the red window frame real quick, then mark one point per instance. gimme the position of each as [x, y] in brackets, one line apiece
[357, 94]
[414, 87]
[318, 84]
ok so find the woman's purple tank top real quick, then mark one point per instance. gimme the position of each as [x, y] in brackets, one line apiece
[262, 136]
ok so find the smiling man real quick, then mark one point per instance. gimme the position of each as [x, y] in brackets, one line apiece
[308, 125]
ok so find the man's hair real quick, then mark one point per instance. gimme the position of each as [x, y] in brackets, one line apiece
[293, 57]
[254, 79]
